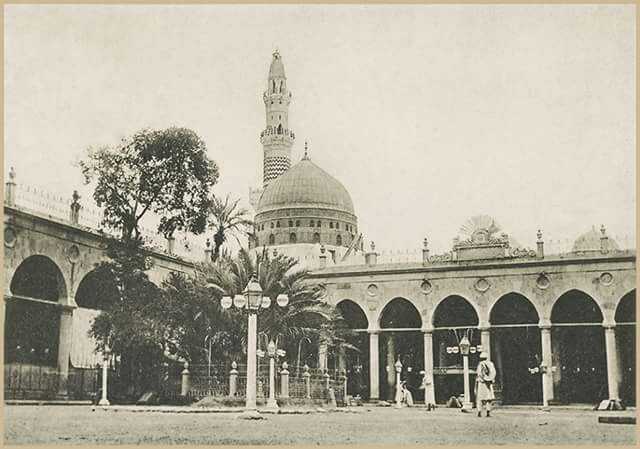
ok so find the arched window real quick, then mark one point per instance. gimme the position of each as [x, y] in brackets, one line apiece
[273, 84]
[272, 239]
[257, 241]
[331, 224]
[293, 238]
[318, 224]
[280, 128]
[297, 223]
[312, 223]
[337, 225]
[291, 223]
[316, 238]
[339, 240]
[281, 86]
[278, 224]
[272, 225]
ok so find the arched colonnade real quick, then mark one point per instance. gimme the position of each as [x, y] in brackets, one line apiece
[587, 346]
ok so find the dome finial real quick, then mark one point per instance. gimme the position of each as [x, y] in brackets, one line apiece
[276, 53]
[306, 150]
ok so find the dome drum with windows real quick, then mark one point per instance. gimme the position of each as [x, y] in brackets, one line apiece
[305, 205]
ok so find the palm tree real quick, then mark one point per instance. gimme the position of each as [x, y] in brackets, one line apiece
[227, 218]
[306, 315]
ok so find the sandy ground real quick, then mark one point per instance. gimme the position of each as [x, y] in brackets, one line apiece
[368, 425]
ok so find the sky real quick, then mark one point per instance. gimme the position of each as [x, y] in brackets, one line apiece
[428, 114]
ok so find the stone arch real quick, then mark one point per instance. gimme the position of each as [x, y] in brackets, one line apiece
[354, 357]
[452, 318]
[351, 309]
[625, 334]
[515, 348]
[96, 289]
[626, 308]
[578, 348]
[457, 303]
[589, 312]
[405, 305]
[510, 307]
[405, 345]
[39, 277]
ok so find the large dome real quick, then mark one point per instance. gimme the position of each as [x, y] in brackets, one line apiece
[305, 185]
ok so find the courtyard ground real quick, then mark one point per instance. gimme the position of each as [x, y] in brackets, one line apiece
[361, 425]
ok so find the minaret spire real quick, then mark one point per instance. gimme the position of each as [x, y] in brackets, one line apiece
[277, 138]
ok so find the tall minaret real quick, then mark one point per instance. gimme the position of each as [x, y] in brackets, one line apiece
[277, 138]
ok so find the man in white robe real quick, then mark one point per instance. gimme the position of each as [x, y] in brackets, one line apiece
[485, 377]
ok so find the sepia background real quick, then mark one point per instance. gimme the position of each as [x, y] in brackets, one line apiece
[428, 113]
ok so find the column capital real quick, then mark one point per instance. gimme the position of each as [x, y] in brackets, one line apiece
[609, 324]
[484, 327]
[427, 330]
[544, 324]
[67, 309]
[373, 331]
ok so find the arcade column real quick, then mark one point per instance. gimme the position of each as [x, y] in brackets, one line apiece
[612, 366]
[485, 339]
[427, 336]
[374, 366]
[64, 348]
[547, 361]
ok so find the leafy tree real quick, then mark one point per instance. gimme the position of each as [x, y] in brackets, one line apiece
[132, 322]
[227, 218]
[161, 171]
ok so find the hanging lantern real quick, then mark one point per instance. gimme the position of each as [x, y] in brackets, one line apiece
[240, 301]
[226, 302]
[282, 300]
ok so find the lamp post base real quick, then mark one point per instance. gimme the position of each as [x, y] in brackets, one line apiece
[250, 414]
[272, 406]
[611, 404]
[466, 407]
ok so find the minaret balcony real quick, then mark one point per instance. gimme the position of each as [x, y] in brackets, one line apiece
[272, 135]
[276, 98]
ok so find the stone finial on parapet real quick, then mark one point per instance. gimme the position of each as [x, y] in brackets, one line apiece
[10, 188]
[604, 240]
[425, 251]
[207, 251]
[233, 379]
[185, 385]
[540, 245]
[371, 257]
[323, 257]
[74, 212]
[171, 241]
[284, 380]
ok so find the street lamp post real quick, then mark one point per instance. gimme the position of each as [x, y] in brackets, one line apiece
[253, 300]
[274, 353]
[105, 370]
[464, 349]
[398, 366]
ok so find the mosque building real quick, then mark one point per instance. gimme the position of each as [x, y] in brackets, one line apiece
[302, 211]
[560, 326]
[570, 314]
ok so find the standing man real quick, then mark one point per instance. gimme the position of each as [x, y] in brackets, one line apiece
[429, 399]
[485, 377]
